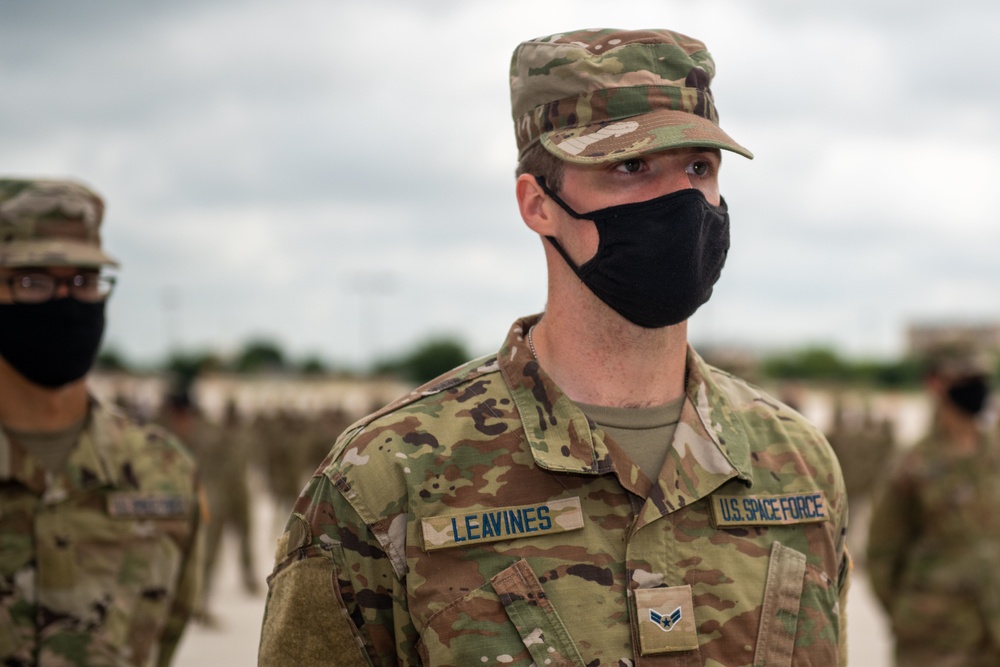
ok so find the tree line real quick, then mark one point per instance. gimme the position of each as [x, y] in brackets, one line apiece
[436, 355]
[423, 362]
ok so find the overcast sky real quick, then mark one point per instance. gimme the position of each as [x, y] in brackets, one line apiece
[338, 175]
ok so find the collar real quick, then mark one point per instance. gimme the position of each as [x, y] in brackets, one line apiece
[710, 444]
[89, 466]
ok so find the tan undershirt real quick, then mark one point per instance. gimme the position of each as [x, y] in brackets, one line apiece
[52, 449]
[644, 433]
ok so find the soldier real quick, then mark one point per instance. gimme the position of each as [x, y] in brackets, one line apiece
[221, 452]
[235, 508]
[98, 515]
[594, 493]
[864, 444]
[281, 448]
[324, 428]
[934, 537]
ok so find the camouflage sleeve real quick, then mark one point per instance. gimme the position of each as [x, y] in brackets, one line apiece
[334, 597]
[188, 589]
[892, 525]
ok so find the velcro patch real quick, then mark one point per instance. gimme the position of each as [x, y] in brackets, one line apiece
[777, 510]
[146, 505]
[501, 523]
[666, 619]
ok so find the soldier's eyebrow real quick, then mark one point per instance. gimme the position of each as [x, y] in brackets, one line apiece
[693, 150]
[707, 150]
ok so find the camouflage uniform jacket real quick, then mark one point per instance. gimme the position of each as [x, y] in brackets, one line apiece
[98, 562]
[482, 520]
[934, 552]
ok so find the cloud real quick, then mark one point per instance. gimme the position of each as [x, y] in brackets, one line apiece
[259, 161]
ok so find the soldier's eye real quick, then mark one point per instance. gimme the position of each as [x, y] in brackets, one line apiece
[630, 166]
[700, 168]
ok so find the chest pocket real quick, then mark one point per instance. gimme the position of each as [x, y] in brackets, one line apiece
[510, 621]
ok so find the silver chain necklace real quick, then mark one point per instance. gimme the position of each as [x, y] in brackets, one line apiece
[531, 343]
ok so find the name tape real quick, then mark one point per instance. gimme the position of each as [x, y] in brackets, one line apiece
[777, 510]
[146, 505]
[501, 523]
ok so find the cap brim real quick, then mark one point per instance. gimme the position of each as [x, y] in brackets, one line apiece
[60, 252]
[638, 135]
[979, 366]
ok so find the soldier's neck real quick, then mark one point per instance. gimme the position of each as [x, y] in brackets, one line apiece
[31, 408]
[611, 361]
[961, 430]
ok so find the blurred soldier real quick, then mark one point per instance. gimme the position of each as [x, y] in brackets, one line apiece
[282, 443]
[934, 537]
[98, 516]
[595, 493]
[234, 498]
[324, 429]
[221, 452]
[864, 444]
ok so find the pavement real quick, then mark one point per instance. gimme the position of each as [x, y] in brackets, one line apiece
[234, 641]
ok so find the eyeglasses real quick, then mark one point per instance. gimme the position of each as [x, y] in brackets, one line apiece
[38, 287]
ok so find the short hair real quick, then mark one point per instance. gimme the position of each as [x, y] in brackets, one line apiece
[537, 161]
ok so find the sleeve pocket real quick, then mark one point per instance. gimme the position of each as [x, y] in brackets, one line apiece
[305, 622]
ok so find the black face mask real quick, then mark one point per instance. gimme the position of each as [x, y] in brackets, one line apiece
[658, 260]
[51, 343]
[969, 394]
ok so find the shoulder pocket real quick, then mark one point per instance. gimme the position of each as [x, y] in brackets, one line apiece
[305, 618]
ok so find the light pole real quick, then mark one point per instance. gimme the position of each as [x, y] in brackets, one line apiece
[369, 285]
[171, 301]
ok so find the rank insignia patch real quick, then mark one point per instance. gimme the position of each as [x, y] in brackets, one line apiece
[665, 622]
[671, 611]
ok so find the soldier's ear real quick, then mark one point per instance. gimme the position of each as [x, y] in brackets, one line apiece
[537, 209]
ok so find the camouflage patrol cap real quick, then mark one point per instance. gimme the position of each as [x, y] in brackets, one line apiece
[958, 360]
[602, 95]
[50, 223]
